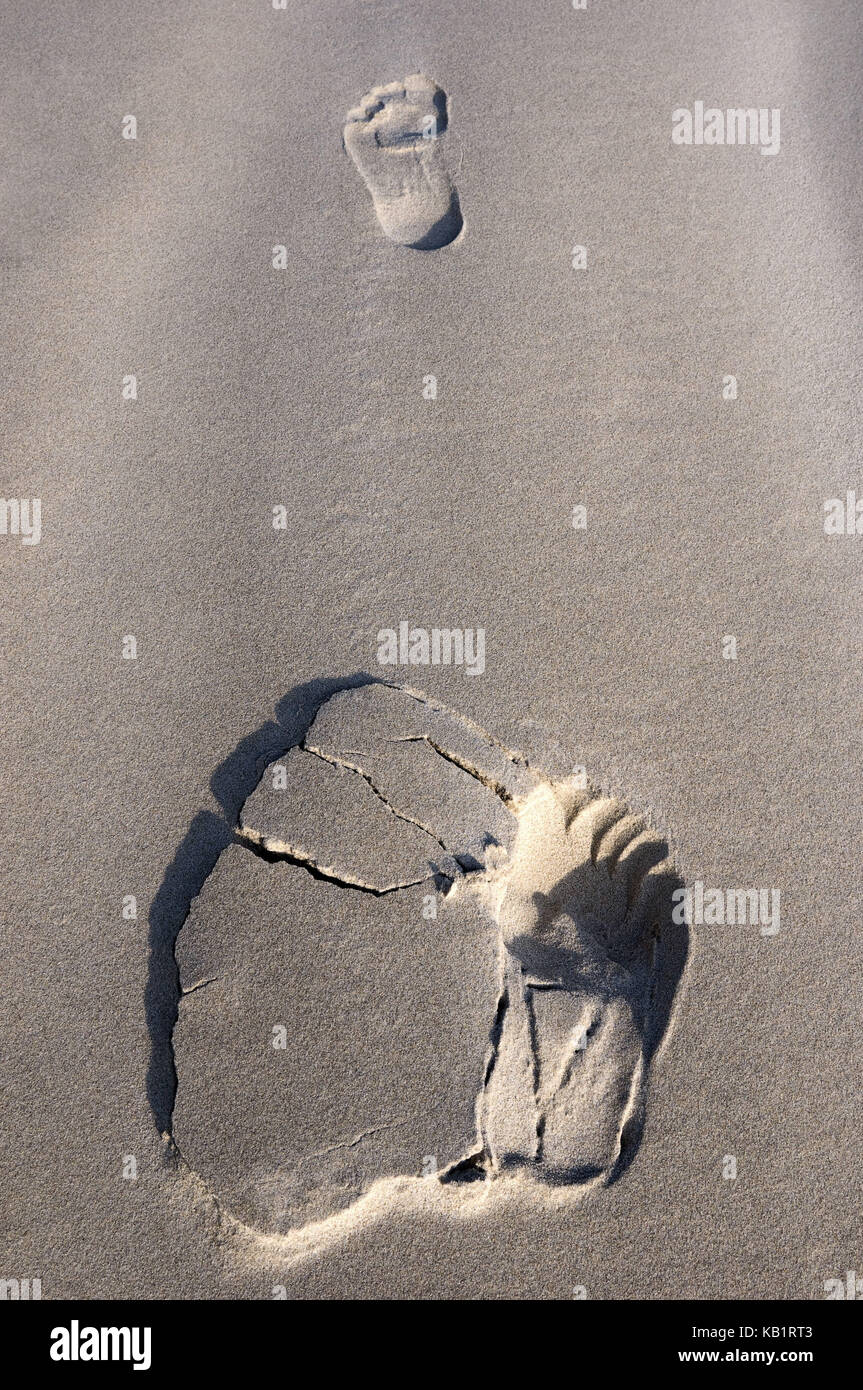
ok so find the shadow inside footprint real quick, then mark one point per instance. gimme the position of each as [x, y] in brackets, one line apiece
[208, 835]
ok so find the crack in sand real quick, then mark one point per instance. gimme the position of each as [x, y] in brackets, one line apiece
[200, 984]
[275, 851]
[355, 768]
[489, 783]
[357, 1139]
[512, 755]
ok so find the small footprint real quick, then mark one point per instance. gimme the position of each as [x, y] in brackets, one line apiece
[393, 137]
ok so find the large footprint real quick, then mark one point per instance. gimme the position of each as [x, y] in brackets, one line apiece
[393, 137]
[420, 956]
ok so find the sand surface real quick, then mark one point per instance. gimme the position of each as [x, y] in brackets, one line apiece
[307, 388]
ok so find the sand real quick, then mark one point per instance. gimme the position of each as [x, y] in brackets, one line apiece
[332, 432]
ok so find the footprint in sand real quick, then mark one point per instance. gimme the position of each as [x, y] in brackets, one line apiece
[394, 138]
[422, 955]
[584, 912]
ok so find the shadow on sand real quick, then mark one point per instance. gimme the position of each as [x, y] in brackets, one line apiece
[208, 835]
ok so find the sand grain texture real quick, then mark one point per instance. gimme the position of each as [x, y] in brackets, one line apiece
[303, 387]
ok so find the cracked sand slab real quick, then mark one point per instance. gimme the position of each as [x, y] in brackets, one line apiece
[421, 956]
[428, 763]
[330, 817]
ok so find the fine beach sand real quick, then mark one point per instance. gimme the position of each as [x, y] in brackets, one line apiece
[366, 978]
